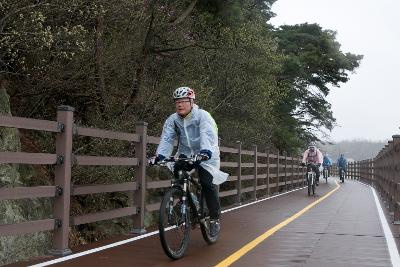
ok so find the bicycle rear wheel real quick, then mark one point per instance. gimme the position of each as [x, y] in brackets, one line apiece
[205, 223]
[174, 225]
[341, 175]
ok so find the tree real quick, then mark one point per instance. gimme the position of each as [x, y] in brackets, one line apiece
[313, 62]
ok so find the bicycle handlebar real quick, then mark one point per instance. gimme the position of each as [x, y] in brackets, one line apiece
[174, 159]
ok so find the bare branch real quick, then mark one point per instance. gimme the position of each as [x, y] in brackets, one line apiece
[184, 15]
[3, 20]
[171, 49]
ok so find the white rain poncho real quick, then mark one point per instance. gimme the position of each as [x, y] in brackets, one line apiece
[197, 131]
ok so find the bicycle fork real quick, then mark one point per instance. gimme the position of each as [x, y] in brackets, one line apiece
[310, 179]
[182, 207]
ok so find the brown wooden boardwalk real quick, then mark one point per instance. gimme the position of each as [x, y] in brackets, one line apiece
[342, 230]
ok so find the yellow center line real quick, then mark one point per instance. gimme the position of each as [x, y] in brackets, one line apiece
[249, 246]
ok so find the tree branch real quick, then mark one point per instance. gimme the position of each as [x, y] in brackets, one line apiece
[184, 15]
[171, 49]
[3, 20]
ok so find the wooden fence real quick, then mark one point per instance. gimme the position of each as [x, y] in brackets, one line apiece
[382, 172]
[261, 176]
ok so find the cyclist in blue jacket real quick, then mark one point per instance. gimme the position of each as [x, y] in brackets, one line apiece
[342, 164]
[197, 135]
[327, 163]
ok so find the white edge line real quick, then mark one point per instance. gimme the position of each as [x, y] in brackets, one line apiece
[257, 201]
[122, 242]
[80, 254]
[394, 254]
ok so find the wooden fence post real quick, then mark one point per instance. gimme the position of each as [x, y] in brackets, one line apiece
[392, 177]
[396, 212]
[286, 185]
[299, 175]
[277, 172]
[140, 171]
[292, 166]
[349, 171]
[371, 165]
[268, 178]
[255, 172]
[62, 172]
[239, 174]
[396, 163]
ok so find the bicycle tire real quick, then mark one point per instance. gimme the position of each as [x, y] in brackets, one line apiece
[309, 186]
[174, 226]
[205, 223]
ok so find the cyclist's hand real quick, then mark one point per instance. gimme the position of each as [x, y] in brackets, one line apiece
[154, 160]
[201, 157]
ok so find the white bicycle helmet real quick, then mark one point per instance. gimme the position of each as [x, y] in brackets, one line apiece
[183, 92]
[312, 146]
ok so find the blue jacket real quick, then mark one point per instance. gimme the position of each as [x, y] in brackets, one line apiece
[196, 133]
[327, 162]
[342, 162]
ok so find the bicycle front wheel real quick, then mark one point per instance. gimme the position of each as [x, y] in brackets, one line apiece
[174, 225]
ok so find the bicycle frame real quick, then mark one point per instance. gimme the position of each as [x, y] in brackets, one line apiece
[184, 182]
[188, 181]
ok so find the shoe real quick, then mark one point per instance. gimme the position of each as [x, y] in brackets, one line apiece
[214, 228]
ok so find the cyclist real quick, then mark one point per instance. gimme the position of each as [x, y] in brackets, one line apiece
[313, 155]
[327, 163]
[197, 135]
[342, 164]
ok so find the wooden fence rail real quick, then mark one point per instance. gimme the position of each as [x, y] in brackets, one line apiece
[271, 174]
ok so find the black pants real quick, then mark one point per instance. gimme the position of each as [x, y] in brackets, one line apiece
[341, 169]
[210, 192]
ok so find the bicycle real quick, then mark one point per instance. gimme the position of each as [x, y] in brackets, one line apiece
[342, 174]
[311, 175]
[182, 208]
[326, 173]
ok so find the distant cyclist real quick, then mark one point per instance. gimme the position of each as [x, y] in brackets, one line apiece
[342, 165]
[313, 155]
[327, 163]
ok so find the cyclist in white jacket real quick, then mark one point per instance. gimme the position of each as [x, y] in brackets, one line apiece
[197, 135]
